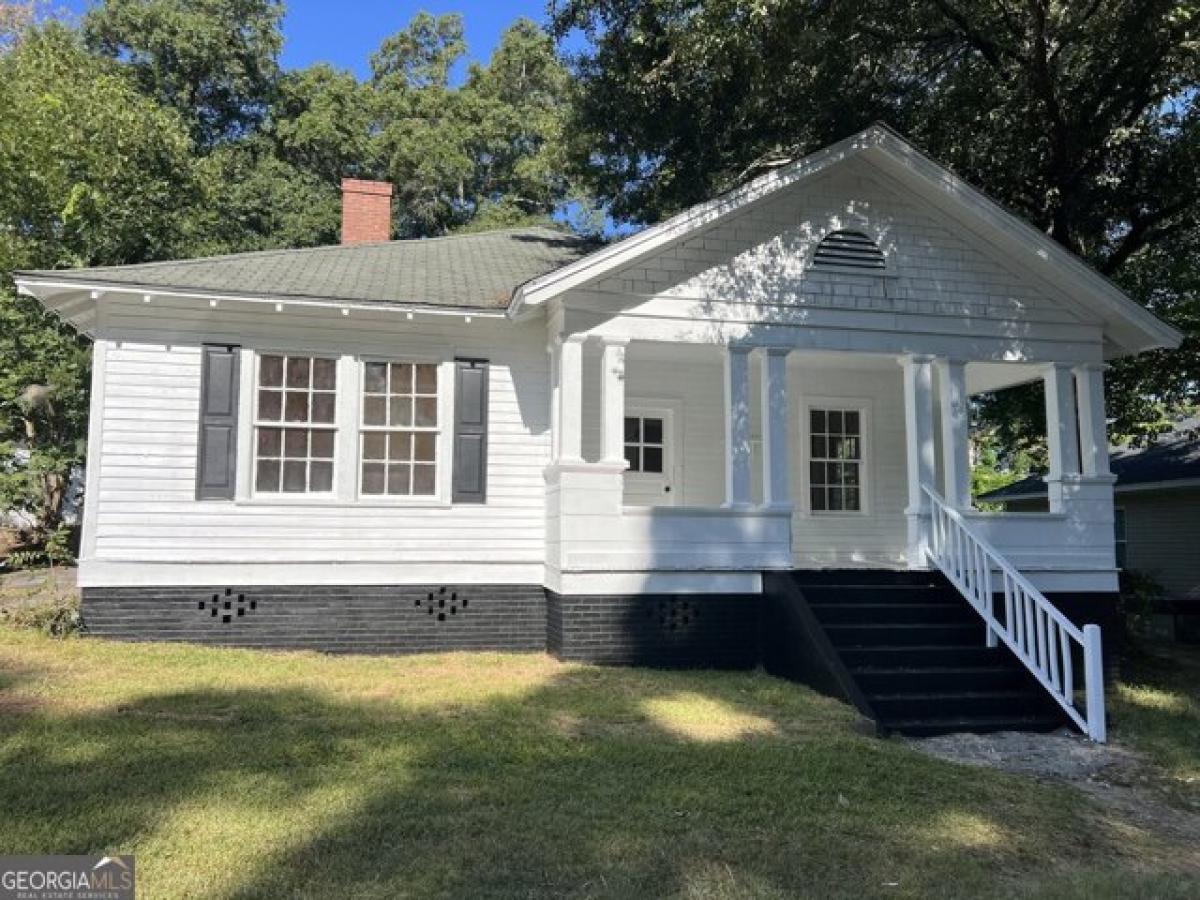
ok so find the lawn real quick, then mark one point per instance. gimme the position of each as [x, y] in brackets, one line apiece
[247, 774]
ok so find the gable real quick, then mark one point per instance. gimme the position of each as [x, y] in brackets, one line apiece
[1024, 268]
[763, 256]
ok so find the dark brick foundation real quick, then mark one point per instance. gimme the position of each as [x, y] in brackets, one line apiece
[338, 619]
[666, 630]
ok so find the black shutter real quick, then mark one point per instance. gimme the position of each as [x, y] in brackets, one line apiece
[470, 430]
[216, 461]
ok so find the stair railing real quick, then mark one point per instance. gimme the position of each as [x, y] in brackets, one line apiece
[1033, 628]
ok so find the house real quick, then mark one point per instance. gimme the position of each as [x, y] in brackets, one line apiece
[519, 440]
[1156, 516]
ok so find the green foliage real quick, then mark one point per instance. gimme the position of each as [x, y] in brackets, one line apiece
[1082, 117]
[91, 172]
[487, 153]
[59, 618]
[214, 61]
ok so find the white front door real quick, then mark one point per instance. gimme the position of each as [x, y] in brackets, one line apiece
[650, 451]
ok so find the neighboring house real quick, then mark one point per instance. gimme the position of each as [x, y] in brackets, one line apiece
[1157, 511]
[519, 440]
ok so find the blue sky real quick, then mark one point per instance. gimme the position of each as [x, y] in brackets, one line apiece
[347, 33]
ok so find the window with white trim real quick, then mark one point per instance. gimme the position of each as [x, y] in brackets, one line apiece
[835, 444]
[645, 445]
[294, 433]
[399, 429]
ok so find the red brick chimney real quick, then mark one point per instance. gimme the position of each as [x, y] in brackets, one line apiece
[366, 211]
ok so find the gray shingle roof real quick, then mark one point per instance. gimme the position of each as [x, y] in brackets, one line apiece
[471, 271]
[1173, 457]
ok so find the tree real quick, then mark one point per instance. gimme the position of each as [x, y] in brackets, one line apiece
[91, 173]
[484, 154]
[1082, 117]
[214, 61]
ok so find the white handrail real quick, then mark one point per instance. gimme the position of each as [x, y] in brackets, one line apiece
[1033, 628]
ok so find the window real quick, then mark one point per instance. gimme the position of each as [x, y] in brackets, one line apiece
[644, 444]
[399, 433]
[835, 481]
[1120, 536]
[294, 432]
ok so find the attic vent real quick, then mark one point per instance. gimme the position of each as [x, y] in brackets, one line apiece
[849, 250]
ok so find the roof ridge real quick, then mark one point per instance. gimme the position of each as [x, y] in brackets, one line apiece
[286, 251]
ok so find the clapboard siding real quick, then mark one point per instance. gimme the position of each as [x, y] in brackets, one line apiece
[1162, 528]
[147, 455]
[692, 378]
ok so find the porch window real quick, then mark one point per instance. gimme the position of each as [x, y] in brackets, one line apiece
[399, 429]
[644, 437]
[294, 431]
[835, 460]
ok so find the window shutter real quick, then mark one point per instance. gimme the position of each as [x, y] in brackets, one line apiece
[216, 462]
[470, 430]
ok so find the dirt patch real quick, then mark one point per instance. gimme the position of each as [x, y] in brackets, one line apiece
[36, 587]
[1131, 797]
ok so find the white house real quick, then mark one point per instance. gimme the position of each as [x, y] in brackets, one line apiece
[514, 439]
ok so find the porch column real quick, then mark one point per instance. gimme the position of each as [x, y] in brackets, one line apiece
[612, 400]
[1093, 422]
[570, 398]
[737, 426]
[774, 412]
[1062, 431]
[956, 451]
[918, 421]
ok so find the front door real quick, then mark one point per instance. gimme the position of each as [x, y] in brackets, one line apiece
[650, 442]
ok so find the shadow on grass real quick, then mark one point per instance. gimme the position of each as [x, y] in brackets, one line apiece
[1157, 709]
[590, 783]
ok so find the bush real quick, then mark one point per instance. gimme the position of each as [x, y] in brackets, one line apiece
[58, 618]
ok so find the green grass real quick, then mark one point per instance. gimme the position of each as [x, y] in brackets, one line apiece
[245, 774]
[1156, 708]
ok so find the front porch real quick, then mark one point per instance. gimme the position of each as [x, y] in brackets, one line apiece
[693, 467]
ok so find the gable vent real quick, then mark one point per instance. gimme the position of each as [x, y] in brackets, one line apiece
[849, 250]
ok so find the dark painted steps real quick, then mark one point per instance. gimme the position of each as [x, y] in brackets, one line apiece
[916, 652]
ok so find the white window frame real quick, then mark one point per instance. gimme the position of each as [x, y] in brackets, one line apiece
[442, 445]
[861, 406]
[255, 423]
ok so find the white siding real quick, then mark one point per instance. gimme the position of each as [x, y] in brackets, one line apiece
[146, 510]
[936, 267]
[692, 378]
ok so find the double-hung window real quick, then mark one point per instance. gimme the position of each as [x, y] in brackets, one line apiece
[835, 467]
[399, 429]
[294, 432]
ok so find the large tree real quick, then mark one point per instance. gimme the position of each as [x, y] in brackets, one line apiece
[1081, 116]
[213, 61]
[91, 173]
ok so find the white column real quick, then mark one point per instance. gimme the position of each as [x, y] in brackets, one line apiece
[918, 420]
[1093, 422]
[774, 410]
[570, 398]
[555, 400]
[612, 400]
[956, 450]
[1062, 432]
[737, 426]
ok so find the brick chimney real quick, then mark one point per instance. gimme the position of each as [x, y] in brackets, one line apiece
[366, 211]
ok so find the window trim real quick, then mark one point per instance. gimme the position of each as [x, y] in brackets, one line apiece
[255, 423]
[350, 372]
[863, 407]
[443, 446]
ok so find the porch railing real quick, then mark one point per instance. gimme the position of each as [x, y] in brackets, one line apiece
[1033, 628]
